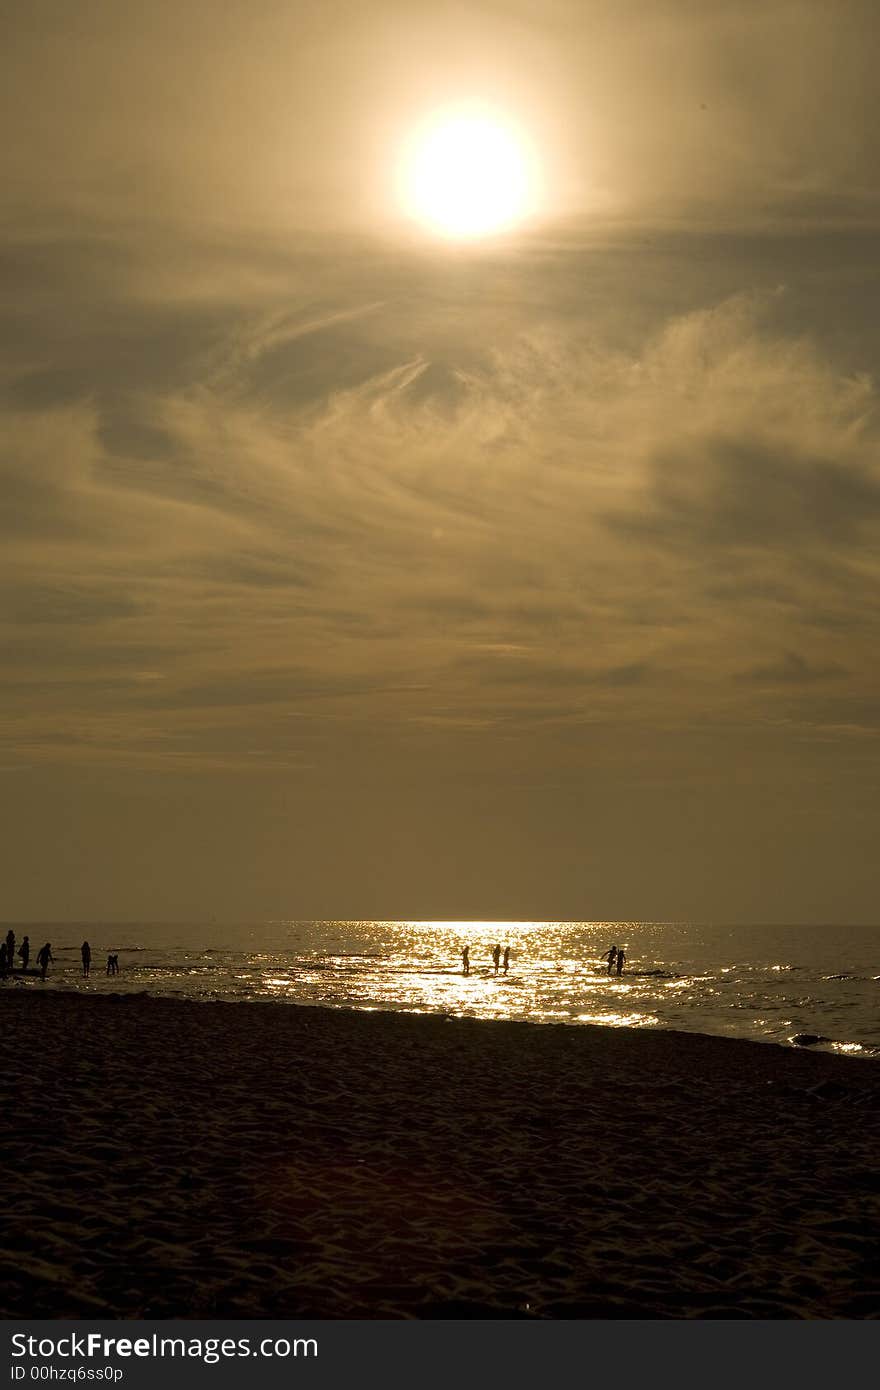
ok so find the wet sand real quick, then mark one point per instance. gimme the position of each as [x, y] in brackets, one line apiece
[168, 1159]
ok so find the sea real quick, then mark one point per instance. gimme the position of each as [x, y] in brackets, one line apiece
[815, 986]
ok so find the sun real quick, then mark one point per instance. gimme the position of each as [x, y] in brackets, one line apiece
[468, 175]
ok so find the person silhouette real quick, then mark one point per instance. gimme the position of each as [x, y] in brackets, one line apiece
[113, 965]
[10, 950]
[610, 958]
[466, 960]
[86, 953]
[496, 957]
[44, 956]
[24, 951]
[506, 958]
[621, 958]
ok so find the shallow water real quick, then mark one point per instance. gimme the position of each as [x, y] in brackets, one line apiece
[771, 983]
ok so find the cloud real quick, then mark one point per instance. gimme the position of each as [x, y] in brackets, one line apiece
[747, 494]
[399, 509]
[793, 669]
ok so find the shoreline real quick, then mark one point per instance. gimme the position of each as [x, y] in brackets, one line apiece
[867, 1052]
[258, 1161]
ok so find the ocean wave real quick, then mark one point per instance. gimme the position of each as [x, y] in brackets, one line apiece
[834, 1044]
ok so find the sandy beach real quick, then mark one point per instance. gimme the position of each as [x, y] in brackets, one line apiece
[167, 1159]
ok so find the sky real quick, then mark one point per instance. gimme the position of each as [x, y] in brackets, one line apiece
[352, 571]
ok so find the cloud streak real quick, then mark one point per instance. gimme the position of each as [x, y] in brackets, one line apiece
[605, 514]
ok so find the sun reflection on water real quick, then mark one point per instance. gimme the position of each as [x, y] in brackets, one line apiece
[742, 982]
[416, 967]
[608, 1019]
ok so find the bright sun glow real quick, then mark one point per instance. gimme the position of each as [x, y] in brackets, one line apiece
[468, 176]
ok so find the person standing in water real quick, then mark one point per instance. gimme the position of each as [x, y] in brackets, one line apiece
[506, 958]
[10, 950]
[113, 964]
[610, 958]
[621, 958]
[496, 957]
[44, 956]
[24, 951]
[466, 960]
[86, 953]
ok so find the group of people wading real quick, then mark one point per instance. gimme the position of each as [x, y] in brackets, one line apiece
[616, 959]
[8, 953]
[496, 959]
[44, 957]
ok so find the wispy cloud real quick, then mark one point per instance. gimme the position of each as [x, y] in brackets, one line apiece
[638, 523]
